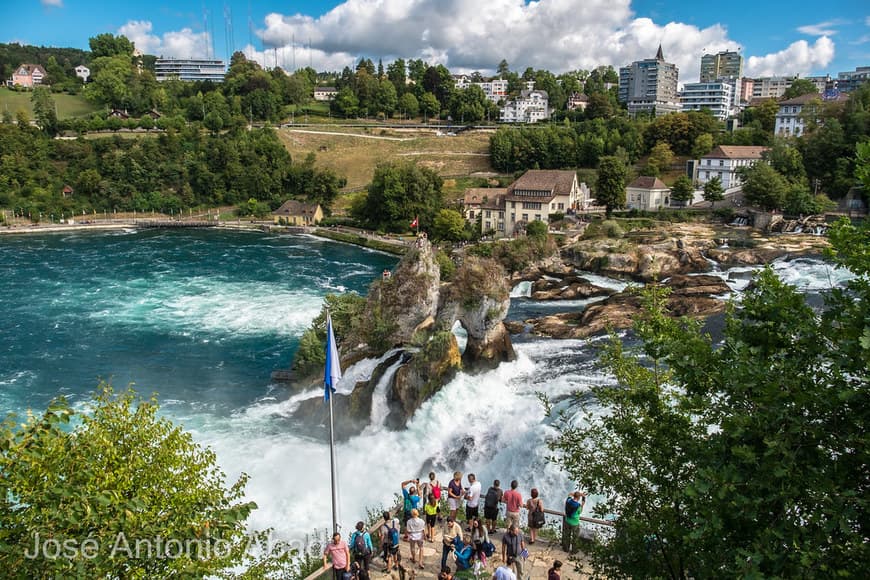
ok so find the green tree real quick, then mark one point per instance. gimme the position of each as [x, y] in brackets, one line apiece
[682, 190]
[610, 186]
[536, 229]
[713, 191]
[110, 81]
[764, 186]
[703, 145]
[448, 225]
[800, 87]
[408, 105]
[744, 459]
[345, 104]
[386, 99]
[429, 105]
[399, 192]
[660, 158]
[109, 45]
[44, 109]
[111, 476]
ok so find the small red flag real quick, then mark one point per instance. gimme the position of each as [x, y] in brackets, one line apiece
[415, 223]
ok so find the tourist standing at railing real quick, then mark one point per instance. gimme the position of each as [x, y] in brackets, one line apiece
[338, 552]
[535, 509]
[361, 546]
[410, 497]
[571, 521]
[430, 510]
[493, 497]
[431, 487]
[513, 501]
[472, 498]
[454, 494]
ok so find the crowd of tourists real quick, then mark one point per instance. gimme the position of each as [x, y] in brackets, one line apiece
[470, 548]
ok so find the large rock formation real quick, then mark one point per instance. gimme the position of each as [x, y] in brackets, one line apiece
[694, 296]
[407, 324]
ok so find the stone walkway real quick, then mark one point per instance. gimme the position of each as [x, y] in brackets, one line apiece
[541, 556]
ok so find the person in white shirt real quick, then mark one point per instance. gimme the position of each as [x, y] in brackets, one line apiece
[503, 573]
[414, 527]
[472, 498]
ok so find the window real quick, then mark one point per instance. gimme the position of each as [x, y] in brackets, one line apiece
[488, 213]
[471, 214]
[552, 206]
[488, 225]
[561, 206]
[525, 217]
[501, 215]
[501, 226]
[513, 217]
[721, 162]
[538, 216]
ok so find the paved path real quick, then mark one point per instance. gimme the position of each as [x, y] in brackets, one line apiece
[541, 556]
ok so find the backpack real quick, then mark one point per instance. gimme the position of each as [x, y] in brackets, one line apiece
[394, 537]
[491, 499]
[436, 490]
[488, 549]
[359, 545]
[463, 558]
[538, 517]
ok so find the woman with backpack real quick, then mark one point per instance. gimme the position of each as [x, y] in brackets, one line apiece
[535, 507]
[361, 546]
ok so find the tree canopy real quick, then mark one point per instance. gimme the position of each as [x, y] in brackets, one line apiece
[398, 193]
[610, 187]
[745, 459]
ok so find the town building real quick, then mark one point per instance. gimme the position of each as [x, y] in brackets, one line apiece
[28, 75]
[716, 96]
[747, 85]
[770, 87]
[724, 161]
[529, 107]
[790, 120]
[649, 86]
[189, 69]
[325, 93]
[83, 73]
[850, 80]
[297, 213]
[495, 89]
[577, 101]
[536, 195]
[727, 64]
[647, 194]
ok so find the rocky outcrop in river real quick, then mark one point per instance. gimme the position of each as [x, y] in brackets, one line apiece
[412, 312]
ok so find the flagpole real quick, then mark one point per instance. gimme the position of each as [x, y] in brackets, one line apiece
[332, 474]
[328, 387]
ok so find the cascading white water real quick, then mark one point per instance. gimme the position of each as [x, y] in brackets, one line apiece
[380, 398]
[522, 290]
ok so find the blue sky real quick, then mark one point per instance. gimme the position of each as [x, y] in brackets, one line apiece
[775, 37]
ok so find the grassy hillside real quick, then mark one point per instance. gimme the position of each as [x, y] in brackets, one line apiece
[354, 152]
[67, 105]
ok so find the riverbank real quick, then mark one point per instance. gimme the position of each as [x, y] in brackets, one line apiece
[394, 246]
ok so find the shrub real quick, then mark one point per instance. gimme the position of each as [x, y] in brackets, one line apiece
[445, 264]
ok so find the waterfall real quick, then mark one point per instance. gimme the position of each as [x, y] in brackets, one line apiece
[522, 290]
[380, 402]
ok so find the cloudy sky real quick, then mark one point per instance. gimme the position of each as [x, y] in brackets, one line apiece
[776, 38]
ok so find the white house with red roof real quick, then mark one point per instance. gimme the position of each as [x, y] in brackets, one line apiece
[724, 161]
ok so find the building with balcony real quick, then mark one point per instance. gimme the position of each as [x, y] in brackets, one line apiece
[529, 107]
[189, 69]
[716, 96]
[722, 65]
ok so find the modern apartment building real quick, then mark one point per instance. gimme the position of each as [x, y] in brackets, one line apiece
[722, 65]
[529, 107]
[770, 87]
[189, 69]
[717, 96]
[851, 80]
[495, 89]
[650, 86]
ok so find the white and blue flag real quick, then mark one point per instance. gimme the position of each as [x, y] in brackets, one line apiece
[332, 373]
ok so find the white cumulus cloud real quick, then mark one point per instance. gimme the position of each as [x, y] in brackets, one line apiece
[820, 29]
[184, 43]
[799, 57]
[558, 35]
[52, 3]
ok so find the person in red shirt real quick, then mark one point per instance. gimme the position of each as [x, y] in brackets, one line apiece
[513, 502]
[339, 553]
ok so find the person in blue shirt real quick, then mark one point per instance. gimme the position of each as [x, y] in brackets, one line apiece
[412, 500]
[361, 546]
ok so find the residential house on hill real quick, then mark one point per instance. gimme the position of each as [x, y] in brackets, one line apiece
[724, 161]
[325, 93]
[28, 75]
[536, 195]
[83, 73]
[529, 107]
[648, 194]
[297, 213]
[792, 115]
[577, 101]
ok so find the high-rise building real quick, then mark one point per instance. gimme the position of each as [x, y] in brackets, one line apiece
[851, 80]
[714, 96]
[722, 65]
[650, 86]
[189, 69]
